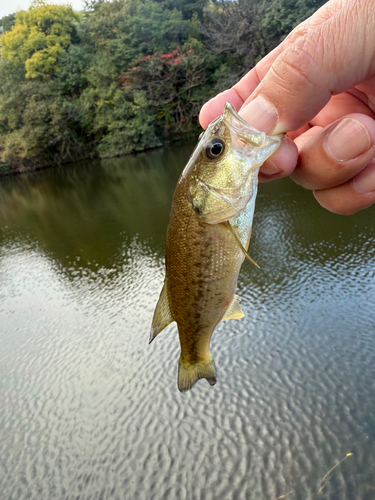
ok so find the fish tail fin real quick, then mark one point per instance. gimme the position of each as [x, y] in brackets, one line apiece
[189, 374]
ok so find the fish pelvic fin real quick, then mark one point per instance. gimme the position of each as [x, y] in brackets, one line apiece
[234, 311]
[233, 231]
[189, 374]
[162, 315]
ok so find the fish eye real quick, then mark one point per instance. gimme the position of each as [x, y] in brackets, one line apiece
[215, 148]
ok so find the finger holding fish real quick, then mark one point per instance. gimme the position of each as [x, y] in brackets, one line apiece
[281, 163]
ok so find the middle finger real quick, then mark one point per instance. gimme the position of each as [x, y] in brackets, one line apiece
[329, 157]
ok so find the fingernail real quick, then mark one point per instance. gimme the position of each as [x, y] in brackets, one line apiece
[269, 168]
[261, 114]
[364, 182]
[348, 140]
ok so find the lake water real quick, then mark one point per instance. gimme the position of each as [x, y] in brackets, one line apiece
[89, 411]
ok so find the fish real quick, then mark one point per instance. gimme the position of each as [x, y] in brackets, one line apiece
[208, 237]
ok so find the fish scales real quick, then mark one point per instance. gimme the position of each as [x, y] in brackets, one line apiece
[207, 239]
[202, 262]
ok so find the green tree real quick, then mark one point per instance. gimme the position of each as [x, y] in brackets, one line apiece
[159, 101]
[241, 32]
[175, 83]
[125, 75]
[232, 31]
[7, 23]
[39, 37]
[279, 17]
[126, 30]
[38, 124]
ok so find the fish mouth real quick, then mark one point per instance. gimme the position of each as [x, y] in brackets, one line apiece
[246, 131]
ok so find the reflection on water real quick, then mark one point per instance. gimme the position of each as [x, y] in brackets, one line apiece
[89, 411]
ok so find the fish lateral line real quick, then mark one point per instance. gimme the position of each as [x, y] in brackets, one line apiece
[228, 225]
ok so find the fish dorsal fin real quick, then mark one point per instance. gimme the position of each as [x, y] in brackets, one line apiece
[162, 315]
[234, 311]
[233, 231]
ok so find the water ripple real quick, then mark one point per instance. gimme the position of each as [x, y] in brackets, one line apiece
[89, 411]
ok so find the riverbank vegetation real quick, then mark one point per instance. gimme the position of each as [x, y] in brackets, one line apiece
[125, 75]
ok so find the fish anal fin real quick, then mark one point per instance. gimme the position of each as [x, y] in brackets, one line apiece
[189, 374]
[234, 311]
[233, 231]
[162, 315]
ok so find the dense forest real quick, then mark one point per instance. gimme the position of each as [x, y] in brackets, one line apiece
[124, 75]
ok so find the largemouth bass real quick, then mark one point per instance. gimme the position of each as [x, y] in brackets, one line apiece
[207, 239]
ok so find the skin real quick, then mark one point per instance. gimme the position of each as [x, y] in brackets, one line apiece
[319, 86]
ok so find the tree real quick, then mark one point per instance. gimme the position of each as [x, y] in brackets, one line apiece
[7, 23]
[279, 17]
[131, 110]
[125, 75]
[38, 124]
[39, 37]
[232, 30]
[244, 31]
[173, 84]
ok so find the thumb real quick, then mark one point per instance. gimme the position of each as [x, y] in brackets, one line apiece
[327, 60]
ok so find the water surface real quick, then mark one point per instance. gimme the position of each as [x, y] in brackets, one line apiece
[89, 411]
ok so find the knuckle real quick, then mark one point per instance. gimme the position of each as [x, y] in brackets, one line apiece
[296, 34]
[295, 68]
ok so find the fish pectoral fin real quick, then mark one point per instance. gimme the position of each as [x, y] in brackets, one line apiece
[233, 231]
[234, 311]
[162, 315]
[190, 373]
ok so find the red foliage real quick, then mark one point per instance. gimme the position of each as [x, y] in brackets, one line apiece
[173, 58]
[123, 81]
[145, 58]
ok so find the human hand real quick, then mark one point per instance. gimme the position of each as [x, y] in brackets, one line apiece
[319, 86]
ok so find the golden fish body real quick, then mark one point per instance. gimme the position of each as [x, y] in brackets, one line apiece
[207, 238]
